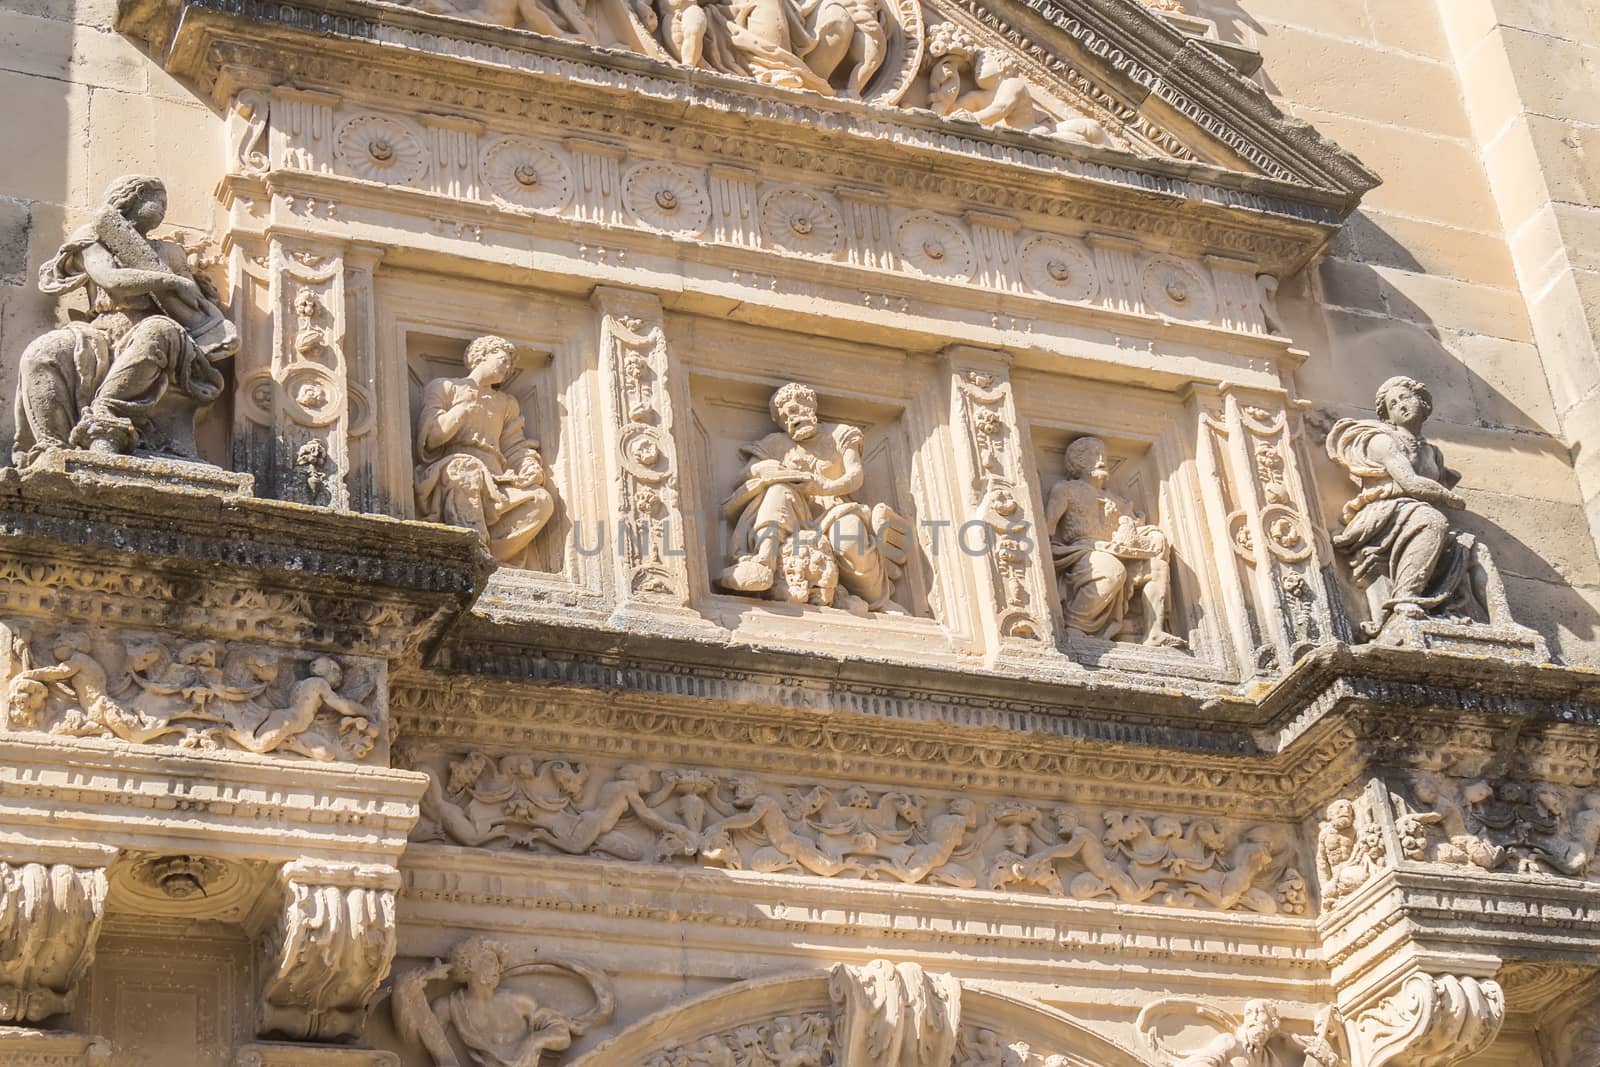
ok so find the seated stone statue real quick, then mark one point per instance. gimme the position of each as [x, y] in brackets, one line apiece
[131, 375]
[475, 467]
[1395, 528]
[798, 535]
[1105, 553]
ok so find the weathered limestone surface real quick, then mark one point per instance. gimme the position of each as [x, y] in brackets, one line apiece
[843, 534]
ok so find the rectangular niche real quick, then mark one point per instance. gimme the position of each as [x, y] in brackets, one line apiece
[1147, 438]
[427, 326]
[733, 376]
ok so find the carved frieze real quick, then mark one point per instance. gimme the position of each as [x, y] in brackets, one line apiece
[1501, 825]
[779, 1042]
[639, 813]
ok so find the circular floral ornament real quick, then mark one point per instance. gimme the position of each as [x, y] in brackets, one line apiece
[381, 149]
[312, 394]
[1286, 533]
[1058, 267]
[800, 221]
[936, 247]
[1177, 290]
[526, 174]
[667, 198]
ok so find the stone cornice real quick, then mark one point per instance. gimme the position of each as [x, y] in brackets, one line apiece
[378, 50]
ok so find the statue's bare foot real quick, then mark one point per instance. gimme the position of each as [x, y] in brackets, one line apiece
[747, 576]
[1165, 640]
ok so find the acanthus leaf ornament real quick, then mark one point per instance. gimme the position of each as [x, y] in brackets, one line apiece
[1429, 1020]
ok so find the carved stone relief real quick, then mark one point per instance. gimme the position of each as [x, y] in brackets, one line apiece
[1397, 535]
[195, 693]
[131, 375]
[638, 813]
[476, 465]
[1106, 555]
[1257, 1039]
[894, 1016]
[798, 534]
[50, 916]
[1501, 825]
[786, 1041]
[1428, 1019]
[494, 1023]
[327, 949]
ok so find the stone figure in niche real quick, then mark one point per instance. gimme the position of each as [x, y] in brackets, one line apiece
[967, 80]
[498, 1027]
[799, 536]
[131, 374]
[1347, 854]
[475, 467]
[1106, 554]
[1396, 531]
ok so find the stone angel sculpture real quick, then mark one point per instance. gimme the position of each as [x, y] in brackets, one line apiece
[475, 465]
[131, 374]
[1397, 533]
[1257, 1039]
[1106, 554]
[799, 535]
[497, 1026]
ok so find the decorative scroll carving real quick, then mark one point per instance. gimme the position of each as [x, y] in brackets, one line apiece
[633, 345]
[203, 694]
[1105, 553]
[1396, 533]
[798, 534]
[991, 465]
[787, 1041]
[496, 1025]
[1429, 1021]
[1502, 825]
[50, 915]
[638, 813]
[131, 376]
[894, 1016]
[330, 946]
[1258, 1039]
[476, 467]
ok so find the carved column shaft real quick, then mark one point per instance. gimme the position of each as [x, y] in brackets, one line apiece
[327, 950]
[646, 516]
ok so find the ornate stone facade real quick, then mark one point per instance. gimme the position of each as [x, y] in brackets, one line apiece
[781, 534]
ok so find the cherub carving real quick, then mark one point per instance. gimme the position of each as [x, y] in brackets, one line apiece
[1001, 96]
[130, 377]
[497, 1026]
[475, 466]
[796, 503]
[1106, 554]
[1257, 1039]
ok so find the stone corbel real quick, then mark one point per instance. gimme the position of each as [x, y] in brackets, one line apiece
[327, 948]
[1426, 1020]
[52, 902]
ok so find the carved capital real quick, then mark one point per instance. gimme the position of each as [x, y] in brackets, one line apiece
[1428, 1020]
[329, 947]
[889, 1014]
[51, 907]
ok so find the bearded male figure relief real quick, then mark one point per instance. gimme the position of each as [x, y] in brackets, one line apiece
[475, 465]
[1106, 555]
[799, 535]
[131, 375]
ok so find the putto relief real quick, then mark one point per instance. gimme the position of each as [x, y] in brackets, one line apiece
[194, 693]
[638, 813]
[1397, 534]
[798, 534]
[476, 466]
[131, 375]
[980, 83]
[1111, 565]
[1500, 825]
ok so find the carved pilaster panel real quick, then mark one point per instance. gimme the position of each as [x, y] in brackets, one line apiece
[1267, 526]
[995, 494]
[597, 195]
[1427, 1020]
[327, 949]
[869, 235]
[361, 379]
[996, 239]
[1116, 261]
[643, 455]
[733, 206]
[52, 902]
[302, 134]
